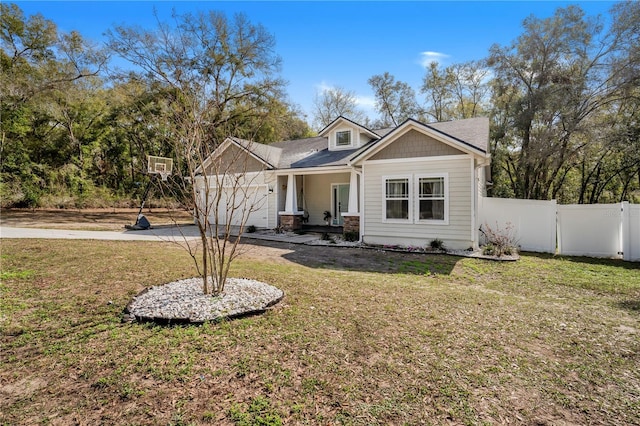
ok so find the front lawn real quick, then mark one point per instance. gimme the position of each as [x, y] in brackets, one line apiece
[362, 337]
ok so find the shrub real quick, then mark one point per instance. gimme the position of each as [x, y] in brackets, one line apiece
[351, 236]
[437, 244]
[499, 241]
[251, 229]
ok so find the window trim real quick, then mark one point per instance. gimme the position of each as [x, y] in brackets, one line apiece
[445, 177]
[347, 131]
[414, 199]
[409, 218]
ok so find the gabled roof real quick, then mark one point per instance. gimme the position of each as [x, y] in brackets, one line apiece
[469, 135]
[297, 150]
[326, 157]
[342, 120]
[266, 154]
[471, 131]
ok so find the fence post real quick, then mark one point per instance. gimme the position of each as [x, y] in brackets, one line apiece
[625, 231]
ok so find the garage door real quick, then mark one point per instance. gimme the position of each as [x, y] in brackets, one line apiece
[253, 204]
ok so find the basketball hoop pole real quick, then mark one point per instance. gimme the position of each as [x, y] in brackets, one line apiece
[155, 166]
[144, 199]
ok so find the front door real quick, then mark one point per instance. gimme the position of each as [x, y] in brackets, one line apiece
[339, 202]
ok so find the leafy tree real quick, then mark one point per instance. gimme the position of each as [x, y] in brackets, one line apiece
[37, 62]
[219, 76]
[560, 72]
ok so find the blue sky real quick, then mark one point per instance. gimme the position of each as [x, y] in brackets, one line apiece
[328, 44]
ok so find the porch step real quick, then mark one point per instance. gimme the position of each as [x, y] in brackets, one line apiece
[323, 229]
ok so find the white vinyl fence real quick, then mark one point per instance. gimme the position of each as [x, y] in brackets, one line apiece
[631, 229]
[590, 230]
[598, 230]
[533, 221]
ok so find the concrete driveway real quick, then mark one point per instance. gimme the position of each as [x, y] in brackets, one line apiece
[172, 233]
[169, 233]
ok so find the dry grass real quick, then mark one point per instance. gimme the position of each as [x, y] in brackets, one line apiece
[89, 219]
[362, 338]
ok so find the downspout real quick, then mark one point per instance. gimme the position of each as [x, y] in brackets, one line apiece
[476, 195]
[361, 201]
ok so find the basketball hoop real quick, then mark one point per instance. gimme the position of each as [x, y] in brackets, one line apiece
[160, 166]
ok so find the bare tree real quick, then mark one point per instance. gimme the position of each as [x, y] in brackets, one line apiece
[218, 75]
[332, 102]
[457, 91]
[395, 100]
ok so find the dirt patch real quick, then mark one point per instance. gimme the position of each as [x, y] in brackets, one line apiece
[89, 219]
[22, 388]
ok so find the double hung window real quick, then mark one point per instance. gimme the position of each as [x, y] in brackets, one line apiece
[431, 200]
[416, 198]
[397, 198]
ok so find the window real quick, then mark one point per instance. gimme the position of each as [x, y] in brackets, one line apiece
[397, 198]
[431, 199]
[343, 138]
[420, 199]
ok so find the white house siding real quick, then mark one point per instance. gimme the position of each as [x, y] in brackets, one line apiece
[317, 194]
[457, 234]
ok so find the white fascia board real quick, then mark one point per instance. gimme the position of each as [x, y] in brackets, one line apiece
[434, 158]
[251, 153]
[223, 147]
[346, 122]
[313, 170]
[216, 153]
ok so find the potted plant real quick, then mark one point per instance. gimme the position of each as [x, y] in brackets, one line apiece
[327, 216]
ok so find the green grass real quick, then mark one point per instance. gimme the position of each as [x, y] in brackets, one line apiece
[361, 338]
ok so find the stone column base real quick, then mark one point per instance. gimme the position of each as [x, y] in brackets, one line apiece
[291, 222]
[351, 225]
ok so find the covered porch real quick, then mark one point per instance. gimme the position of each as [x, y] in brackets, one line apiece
[319, 199]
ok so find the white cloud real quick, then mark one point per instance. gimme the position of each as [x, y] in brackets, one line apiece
[428, 57]
[323, 86]
[366, 102]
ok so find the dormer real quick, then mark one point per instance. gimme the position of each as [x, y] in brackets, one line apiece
[344, 134]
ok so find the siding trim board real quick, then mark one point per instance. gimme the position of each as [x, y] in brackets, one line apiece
[420, 159]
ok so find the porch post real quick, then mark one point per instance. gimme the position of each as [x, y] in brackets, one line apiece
[291, 218]
[353, 193]
[291, 203]
[351, 225]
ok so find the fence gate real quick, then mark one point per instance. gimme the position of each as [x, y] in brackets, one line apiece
[590, 230]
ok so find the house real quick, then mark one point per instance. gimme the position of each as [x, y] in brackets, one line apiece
[406, 185]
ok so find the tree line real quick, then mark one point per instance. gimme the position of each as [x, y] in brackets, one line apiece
[563, 99]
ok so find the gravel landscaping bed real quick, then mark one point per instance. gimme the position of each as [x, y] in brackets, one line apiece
[184, 301]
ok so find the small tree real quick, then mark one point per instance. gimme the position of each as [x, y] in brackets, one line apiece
[218, 75]
[499, 241]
